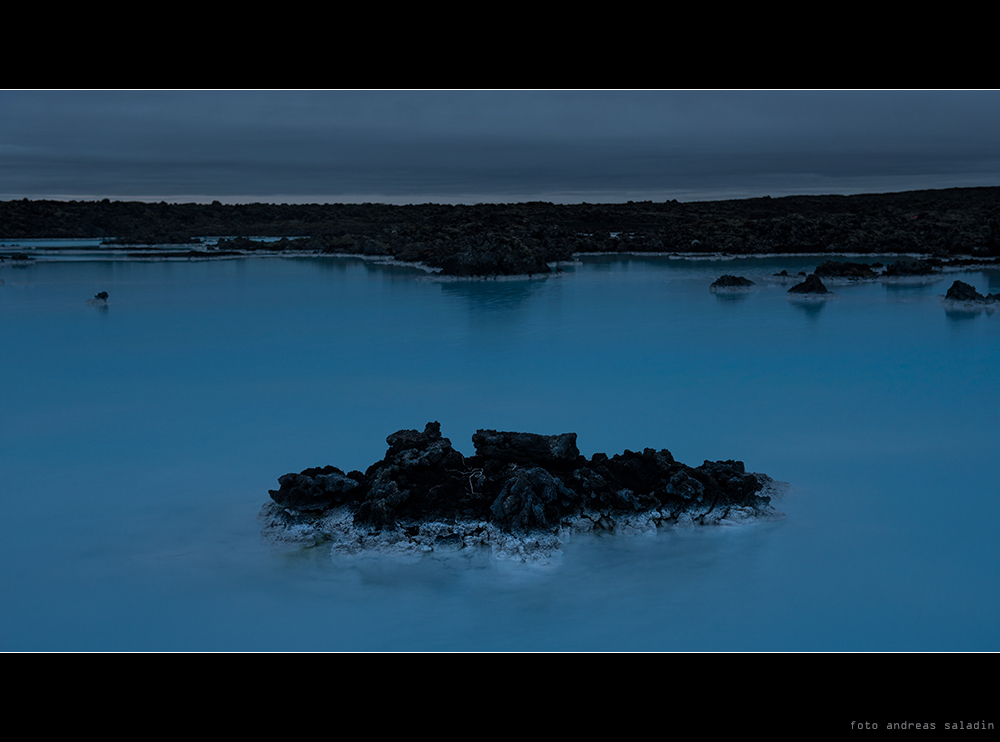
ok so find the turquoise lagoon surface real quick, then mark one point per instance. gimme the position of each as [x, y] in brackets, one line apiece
[139, 440]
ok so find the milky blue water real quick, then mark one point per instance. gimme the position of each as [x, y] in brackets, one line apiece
[138, 442]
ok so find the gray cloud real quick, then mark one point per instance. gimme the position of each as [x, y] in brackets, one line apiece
[451, 145]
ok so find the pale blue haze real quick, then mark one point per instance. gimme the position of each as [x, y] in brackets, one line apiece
[139, 441]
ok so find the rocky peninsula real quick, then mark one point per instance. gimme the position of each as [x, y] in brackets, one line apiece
[520, 495]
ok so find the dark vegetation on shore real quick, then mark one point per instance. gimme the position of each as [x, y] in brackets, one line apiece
[496, 239]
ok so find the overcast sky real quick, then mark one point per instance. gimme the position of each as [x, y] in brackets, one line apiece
[470, 146]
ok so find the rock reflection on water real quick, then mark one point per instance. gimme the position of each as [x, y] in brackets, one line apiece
[731, 297]
[812, 306]
[962, 315]
[905, 288]
[993, 280]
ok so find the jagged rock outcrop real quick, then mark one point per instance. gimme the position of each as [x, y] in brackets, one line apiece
[493, 255]
[314, 489]
[963, 292]
[518, 489]
[525, 448]
[785, 274]
[100, 299]
[812, 285]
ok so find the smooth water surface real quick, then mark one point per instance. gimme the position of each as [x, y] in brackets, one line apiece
[139, 440]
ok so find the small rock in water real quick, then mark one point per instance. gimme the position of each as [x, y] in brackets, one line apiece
[100, 299]
[728, 282]
[961, 291]
[812, 285]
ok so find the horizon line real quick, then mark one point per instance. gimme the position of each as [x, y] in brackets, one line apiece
[562, 199]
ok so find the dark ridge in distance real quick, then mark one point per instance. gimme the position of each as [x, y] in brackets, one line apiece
[495, 239]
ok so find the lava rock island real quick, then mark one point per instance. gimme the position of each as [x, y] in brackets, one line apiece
[520, 494]
[731, 284]
[961, 292]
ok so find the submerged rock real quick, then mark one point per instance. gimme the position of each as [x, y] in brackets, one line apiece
[520, 492]
[812, 285]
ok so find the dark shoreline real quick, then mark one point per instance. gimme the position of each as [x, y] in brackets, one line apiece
[505, 239]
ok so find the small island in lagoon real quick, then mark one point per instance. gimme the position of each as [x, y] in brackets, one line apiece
[522, 495]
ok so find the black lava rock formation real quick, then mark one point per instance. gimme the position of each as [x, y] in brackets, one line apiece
[732, 282]
[961, 291]
[493, 255]
[517, 487]
[812, 285]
